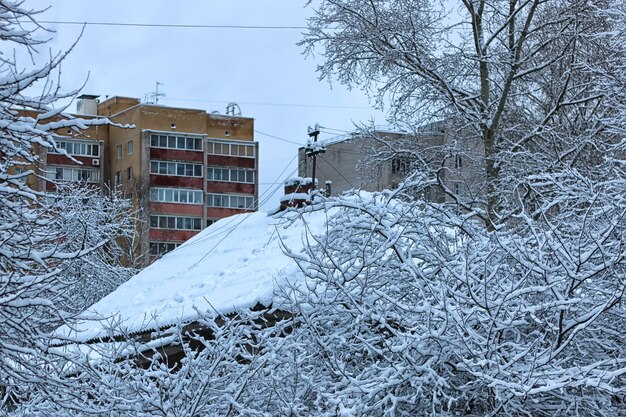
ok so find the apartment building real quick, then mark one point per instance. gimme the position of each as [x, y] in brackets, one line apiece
[383, 158]
[85, 163]
[185, 168]
[79, 158]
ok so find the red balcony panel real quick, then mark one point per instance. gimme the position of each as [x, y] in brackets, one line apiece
[56, 159]
[174, 181]
[173, 208]
[176, 155]
[230, 161]
[219, 213]
[168, 235]
[229, 187]
[51, 186]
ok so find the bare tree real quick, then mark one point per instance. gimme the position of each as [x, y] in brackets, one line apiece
[513, 74]
[35, 250]
[408, 307]
[449, 317]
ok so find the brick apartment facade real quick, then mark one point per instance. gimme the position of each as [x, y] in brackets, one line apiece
[185, 168]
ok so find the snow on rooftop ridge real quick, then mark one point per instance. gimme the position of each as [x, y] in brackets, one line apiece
[299, 181]
[430, 128]
[234, 264]
[295, 197]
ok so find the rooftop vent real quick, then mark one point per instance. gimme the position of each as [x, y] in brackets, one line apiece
[87, 105]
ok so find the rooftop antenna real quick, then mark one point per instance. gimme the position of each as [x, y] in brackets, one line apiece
[233, 109]
[153, 97]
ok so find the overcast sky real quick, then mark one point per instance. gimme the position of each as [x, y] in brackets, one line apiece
[263, 70]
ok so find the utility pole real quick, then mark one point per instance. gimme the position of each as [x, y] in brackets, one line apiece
[312, 149]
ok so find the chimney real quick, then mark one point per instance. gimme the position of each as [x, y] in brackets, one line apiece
[87, 105]
[297, 192]
[329, 188]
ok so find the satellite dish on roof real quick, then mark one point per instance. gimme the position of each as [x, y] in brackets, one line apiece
[233, 109]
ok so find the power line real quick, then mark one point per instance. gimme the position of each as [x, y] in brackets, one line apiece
[228, 230]
[261, 103]
[166, 25]
[336, 130]
[277, 138]
[340, 174]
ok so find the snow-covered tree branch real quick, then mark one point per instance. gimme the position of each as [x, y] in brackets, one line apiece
[43, 255]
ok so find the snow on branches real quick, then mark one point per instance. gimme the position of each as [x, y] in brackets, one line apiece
[41, 246]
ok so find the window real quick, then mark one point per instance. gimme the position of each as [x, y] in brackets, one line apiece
[458, 162]
[76, 148]
[118, 178]
[176, 195]
[73, 174]
[400, 165]
[231, 149]
[175, 222]
[129, 173]
[130, 147]
[176, 142]
[161, 248]
[235, 201]
[210, 222]
[180, 169]
[230, 175]
[20, 171]
[119, 151]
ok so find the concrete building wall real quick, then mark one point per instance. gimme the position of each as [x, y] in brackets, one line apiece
[371, 164]
[339, 164]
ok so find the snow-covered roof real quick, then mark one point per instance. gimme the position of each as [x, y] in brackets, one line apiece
[233, 264]
[299, 181]
[432, 128]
